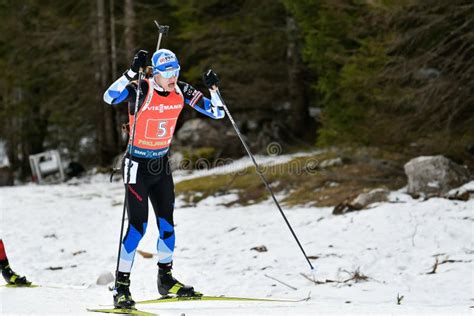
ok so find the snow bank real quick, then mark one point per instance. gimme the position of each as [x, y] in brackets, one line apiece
[66, 235]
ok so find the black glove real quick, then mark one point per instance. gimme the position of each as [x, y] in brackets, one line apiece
[139, 61]
[210, 79]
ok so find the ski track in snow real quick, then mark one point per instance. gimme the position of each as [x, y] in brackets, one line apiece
[76, 226]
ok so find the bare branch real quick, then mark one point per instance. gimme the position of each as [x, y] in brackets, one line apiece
[399, 299]
[435, 266]
[286, 284]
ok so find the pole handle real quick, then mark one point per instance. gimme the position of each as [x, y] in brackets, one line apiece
[162, 29]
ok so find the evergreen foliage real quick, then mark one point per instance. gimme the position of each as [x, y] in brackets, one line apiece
[391, 72]
[382, 72]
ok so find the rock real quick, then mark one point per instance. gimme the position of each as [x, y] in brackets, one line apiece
[6, 176]
[74, 169]
[361, 201]
[342, 208]
[470, 149]
[462, 193]
[331, 163]
[252, 124]
[260, 248]
[198, 133]
[54, 268]
[427, 73]
[176, 159]
[461, 196]
[206, 133]
[365, 199]
[105, 278]
[434, 175]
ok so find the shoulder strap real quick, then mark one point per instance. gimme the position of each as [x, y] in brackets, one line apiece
[148, 97]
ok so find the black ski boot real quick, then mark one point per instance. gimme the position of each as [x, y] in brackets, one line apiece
[167, 284]
[11, 277]
[122, 296]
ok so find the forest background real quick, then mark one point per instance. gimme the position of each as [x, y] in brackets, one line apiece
[306, 74]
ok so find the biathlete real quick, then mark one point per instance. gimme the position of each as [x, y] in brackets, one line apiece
[161, 100]
[10, 277]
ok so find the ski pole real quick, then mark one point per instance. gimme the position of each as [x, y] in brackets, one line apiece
[129, 167]
[162, 29]
[263, 177]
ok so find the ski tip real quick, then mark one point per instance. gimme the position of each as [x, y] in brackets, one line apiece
[171, 299]
[122, 311]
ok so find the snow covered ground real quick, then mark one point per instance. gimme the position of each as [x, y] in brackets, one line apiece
[75, 226]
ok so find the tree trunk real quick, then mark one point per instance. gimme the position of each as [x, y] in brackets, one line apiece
[113, 41]
[129, 21]
[120, 115]
[10, 125]
[301, 124]
[106, 133]
[129, 38]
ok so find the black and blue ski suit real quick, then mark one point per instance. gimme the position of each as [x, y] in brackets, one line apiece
[150, 176]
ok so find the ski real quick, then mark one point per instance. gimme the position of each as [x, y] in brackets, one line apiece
[51, 286]
[170, 299]
[124, 311]
[20, 285]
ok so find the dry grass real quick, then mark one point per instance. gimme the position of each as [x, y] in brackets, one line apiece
[303, 184]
